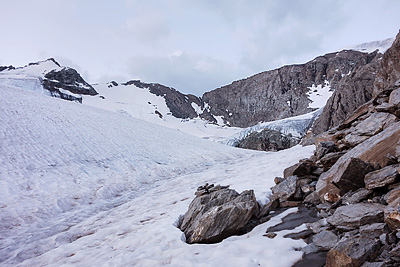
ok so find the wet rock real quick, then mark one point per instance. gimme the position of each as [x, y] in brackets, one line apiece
[352, 216]
[217, 215]
[382, 177]
[353, 251]
[325, 240]
[300, 235]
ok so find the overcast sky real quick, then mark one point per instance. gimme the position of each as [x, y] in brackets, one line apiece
[191, 45]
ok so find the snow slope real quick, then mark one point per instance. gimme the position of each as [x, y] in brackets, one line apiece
[85, 186]
[370, 47]
[142, 104]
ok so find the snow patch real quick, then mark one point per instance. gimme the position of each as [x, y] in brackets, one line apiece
[319, 95]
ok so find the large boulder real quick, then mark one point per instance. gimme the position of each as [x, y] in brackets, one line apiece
[382, 177]
[213, 216]
[353, 251]
[353, 216]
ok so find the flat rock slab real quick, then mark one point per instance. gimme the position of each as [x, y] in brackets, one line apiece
[353, 251]
[382, 177]
[325, 240]
[353, 216]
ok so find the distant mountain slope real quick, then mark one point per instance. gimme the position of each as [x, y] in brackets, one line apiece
[283, 92]
[369, 47]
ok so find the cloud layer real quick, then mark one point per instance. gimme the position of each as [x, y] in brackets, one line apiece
[193, 46]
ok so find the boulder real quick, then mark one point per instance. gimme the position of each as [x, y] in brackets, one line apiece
[394, 98]
[302, 168]
[268, 140]
[353, 216]
[287, 189]
[353, 251]
[351, 175]
[356, 197]
[325, 240]
[382, 177]
[214, 216]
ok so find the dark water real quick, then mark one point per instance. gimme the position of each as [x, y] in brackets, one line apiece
[293, 220]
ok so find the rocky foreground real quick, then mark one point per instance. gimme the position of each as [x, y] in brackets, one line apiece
[353, 180]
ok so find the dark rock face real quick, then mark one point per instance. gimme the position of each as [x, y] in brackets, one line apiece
[179, 104]
[268, 140]
[6, 68]
[217, 214]
[67, 79]
[351, 92]
[265, 96]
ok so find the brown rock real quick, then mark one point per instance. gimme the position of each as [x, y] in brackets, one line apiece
[286, 190]
[351, 175]
[382, 177]
[352, 216]
[290, 204]
[392, 219]
[373, 151]
[353, 251]
[330, 159]
[278, 180]
[388, 75]
[217, 215]
[392, 196]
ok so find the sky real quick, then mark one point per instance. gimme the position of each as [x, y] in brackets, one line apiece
[193, 46]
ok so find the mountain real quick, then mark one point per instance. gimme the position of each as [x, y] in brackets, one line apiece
[49, 78]
[86, 186]
[381, 46]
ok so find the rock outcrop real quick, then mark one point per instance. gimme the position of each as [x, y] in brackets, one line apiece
[218, 212]
[268, 140]
[282, 93]
[355, 180]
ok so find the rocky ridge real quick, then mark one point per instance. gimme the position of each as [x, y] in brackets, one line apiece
[353, 179]
[57, 81]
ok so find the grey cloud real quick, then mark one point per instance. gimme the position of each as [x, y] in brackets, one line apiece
[186, 73]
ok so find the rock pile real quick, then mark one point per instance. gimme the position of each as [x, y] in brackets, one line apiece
[353, 179]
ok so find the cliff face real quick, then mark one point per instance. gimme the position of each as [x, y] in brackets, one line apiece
[281, 93]
[350, 93]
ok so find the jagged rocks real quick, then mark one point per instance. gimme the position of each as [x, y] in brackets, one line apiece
[352, 216]
[353, 251]
[281, 93]
[68, 79]
[213, 216]
[268, 140]
[382, 177]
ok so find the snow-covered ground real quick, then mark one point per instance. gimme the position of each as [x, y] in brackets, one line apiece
[142, 104]
[81, 186]
[381, 45]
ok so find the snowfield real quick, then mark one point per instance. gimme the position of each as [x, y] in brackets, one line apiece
[81, 186]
